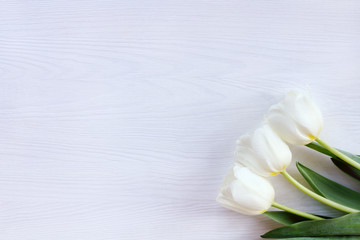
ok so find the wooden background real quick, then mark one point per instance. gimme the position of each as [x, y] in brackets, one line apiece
[118, 119]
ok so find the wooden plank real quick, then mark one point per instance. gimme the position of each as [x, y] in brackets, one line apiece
[118, 119]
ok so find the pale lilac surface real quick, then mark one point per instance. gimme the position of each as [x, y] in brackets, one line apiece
[118, 119]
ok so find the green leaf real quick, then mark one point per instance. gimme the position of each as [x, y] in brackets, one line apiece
[346, 168]
[330, 189]
[284, 218]
[348, 225]
[317, 147]
[343, 166]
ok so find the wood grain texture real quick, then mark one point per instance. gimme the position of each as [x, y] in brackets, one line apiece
[118, 119]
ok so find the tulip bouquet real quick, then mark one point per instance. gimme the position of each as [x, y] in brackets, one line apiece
[265, 152]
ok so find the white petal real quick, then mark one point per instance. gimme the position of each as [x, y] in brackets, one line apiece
[252, 203]
[232, 205]
[296, 119]
[273, 151]
[245, 192]
[306, 114]
[248, 158]
[228, 179]
[245, 140]
[286, 128]
[255, 183]
[256, 187]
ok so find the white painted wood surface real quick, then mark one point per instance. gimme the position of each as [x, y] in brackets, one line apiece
[118, 119]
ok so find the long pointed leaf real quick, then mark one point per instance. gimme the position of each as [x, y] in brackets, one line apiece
[284, 218]
[348, 225]
[317, 147]
[346, 168]
[287, 218]
[343, 166]
[330, 189]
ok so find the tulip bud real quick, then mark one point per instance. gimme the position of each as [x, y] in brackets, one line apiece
[245, 192]
[263, 151]
[296, 119]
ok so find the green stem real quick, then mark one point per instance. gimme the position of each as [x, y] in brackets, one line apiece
[338, 153]
[297, 212]
[317, 196]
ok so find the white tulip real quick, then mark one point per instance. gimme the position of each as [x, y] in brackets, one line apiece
[263, 151]
[245, 192]
[296, 119]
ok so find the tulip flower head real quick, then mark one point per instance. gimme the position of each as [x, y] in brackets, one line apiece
[296, 119]
[245, 192]
[263, 151]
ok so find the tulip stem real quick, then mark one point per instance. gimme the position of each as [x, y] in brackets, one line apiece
[296, 212]
[338, 153]
[317, 196]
